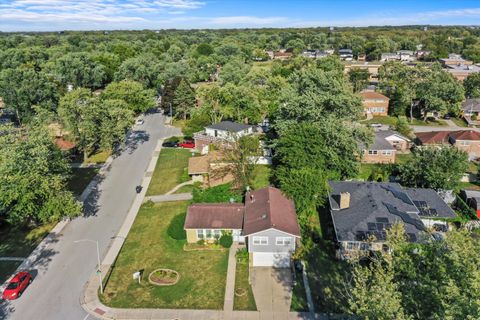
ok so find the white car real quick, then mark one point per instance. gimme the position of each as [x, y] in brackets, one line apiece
[139, 122]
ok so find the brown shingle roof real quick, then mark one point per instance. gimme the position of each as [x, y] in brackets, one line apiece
[441, 137]
[64, 145]
[268, 208]
[434, 137]
[215, 216]
[465, 135]
[372, 95]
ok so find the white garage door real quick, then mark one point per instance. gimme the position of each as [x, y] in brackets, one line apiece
[278, 260]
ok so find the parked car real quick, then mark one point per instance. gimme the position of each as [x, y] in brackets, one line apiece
[17, 285]
[139, 122]
[376, 125]
[446, 117]
[170, 144]
[189, 144]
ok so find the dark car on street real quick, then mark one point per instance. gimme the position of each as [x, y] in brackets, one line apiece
[170, 144]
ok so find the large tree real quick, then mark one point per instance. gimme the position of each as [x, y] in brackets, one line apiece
[433, 167]
[183, 100]
[315, 94]
[472, 86]
[359, 79]
[24, 88]
[80, 70]
[132, 93]
[145, 69]
[33, 172]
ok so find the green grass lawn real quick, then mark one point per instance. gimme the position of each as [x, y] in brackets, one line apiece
[185, 189]
[80, 179]
[261, 176]
[148, 247]
[19, 243]
[171, 170]
[402, 158]
[392, 121]
[469, 185]
[387, 120]
[433, 123]
[460, 122]
[247, 301]
[299, 297]
[375, 170]
[99, 157]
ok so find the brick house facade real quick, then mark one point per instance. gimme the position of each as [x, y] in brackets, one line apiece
[375, 103]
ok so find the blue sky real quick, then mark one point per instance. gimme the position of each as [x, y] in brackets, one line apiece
[46, 15]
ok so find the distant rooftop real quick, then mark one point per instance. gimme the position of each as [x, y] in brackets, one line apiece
[229, 126]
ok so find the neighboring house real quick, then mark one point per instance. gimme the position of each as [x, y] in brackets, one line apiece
[315, 54]
[371, 66]
[203, 169]
[466, 140]
[345, 54]
[362, 212]
[472, 199]
[462, 71]
[220, 132]
[362, 57]
[375, 103]
[389, 56]
[406, 55]
[454, 60]
[283, 54]
[471, 107]
[267, 223]
[385, 147]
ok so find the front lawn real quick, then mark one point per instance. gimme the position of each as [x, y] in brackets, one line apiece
[80, 178]
[149, 247]
[386, 120]
[299, 296]
[170, 170]
[99, 157]
[392, 121]
[460, 122]
[243, 299]
[7, 268]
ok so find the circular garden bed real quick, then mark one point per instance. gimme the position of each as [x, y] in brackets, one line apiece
[240, 292]
[163, 277]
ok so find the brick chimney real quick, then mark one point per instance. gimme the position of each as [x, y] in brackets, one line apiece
[344, 200]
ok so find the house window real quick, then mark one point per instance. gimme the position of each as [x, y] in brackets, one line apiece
[262, 241]
[283, 241]
[217, 233]
[372, 152]
[464, 143]
[352, 246]
[200, 234]
[387, 152]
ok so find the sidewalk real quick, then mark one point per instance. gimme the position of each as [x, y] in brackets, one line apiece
[170, 197]
[230, 285]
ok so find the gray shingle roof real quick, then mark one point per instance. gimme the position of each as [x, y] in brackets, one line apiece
[229, 126]
[471, 105]
[374, 207]
[435, 206]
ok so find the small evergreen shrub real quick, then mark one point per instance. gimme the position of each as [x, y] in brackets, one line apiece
[175, 228]
[226, 240]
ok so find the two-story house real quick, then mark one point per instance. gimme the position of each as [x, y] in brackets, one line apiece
[266, 222]
[374, 103]
[220, 132]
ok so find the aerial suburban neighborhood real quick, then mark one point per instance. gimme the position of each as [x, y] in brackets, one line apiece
[207, 160]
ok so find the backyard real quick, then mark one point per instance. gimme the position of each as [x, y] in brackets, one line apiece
[149, 246]
[170, 170]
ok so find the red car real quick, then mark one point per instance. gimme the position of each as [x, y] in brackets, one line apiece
[189, 144]
[17, 285]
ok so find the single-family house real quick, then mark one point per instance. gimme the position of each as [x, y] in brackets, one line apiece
[406, 55]
[466, 140]
[454, 60]
[385, 147]
[371, 66]
[471, 107]
[219, 132]
[362, 212]
[266, 222]
[374, 103]
[389, 56]
[345, 54]
[207, 168]
[462, 71]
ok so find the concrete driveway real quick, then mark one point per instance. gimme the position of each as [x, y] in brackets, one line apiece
[272, 288]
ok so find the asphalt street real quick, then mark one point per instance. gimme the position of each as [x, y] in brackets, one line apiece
[65, 266]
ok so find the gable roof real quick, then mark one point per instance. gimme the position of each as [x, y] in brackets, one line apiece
[215, 216]
[372, 95]
[471, 105]
[229, 126]
[465, 135]
[373, 208]
[380, 143]
[268, 208]
[434, 137]
[388, 133]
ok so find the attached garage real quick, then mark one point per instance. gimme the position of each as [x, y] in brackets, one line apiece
[269, 259]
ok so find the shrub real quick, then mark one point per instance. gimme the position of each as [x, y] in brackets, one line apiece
[474, 117]
[226, 241]
[175, 228]
[201, 242]
[242, 256]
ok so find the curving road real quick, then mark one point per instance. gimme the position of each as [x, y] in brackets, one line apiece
[64, 266]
